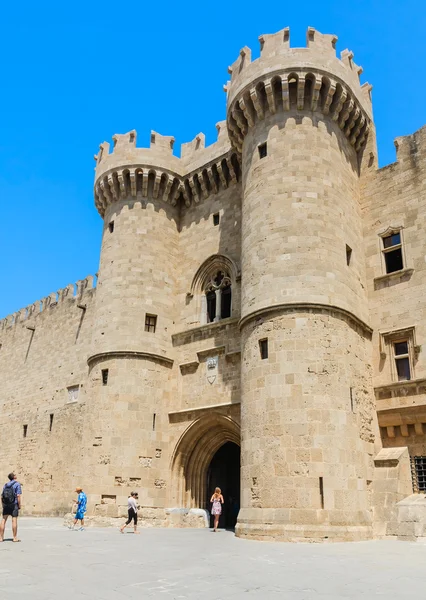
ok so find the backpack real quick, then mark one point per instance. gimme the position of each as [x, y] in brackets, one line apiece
[8, 496]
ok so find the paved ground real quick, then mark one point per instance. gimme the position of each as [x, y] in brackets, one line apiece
[100, 564]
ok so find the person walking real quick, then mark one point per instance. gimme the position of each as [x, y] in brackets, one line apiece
[217, 500]
[132, 510]
[81, 508]
[11, 501]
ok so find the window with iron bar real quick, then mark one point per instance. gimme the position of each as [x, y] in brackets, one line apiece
[150, 323]
[418, 472]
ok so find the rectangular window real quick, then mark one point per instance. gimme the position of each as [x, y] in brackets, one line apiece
[111, 226]
[402, 360]
[418, 469]
[348, 255]
[392, 251]
[263, 345]
[25, 430]
[216, 219]
[150, 323]
[104, 376]
[51, 422]
[263, 150]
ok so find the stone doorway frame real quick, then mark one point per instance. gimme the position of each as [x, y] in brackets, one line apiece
[193, 454]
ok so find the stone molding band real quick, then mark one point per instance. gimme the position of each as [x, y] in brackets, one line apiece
[141, 180]
[301, 90]
[293, 306]
[130, 354]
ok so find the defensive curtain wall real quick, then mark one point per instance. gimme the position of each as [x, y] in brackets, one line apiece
[243, 298]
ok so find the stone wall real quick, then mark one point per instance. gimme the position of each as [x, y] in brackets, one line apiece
[395, 196]
[200, 239]
[41, 357]
[309, 428]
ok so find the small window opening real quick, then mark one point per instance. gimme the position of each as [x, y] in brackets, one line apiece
[51, 422]
[392, 249]
[402, 360]
[150, 323]
[263, 150]
[348, 255]
[226, 302]
[211, 305]
[418, 469]
[351, 395]
[263, 345]
[111, 226]
[321, 490]
[154, 418]
[104, 376]
[25, 430]
[216, 219]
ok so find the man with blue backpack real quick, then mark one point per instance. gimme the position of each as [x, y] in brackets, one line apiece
[11, 501]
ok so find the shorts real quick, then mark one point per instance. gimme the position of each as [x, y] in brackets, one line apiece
[133, 516]
[79, 515]
[10, 511]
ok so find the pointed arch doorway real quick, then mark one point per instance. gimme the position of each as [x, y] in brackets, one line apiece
[224, 472]
[207, 451]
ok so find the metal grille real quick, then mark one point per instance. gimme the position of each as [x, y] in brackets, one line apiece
[418, 472]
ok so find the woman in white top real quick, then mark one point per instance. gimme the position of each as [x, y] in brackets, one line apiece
[132, 512]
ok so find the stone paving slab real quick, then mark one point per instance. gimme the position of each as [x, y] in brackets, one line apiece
[53, 562]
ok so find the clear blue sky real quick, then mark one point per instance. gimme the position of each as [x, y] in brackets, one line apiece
[74, 73]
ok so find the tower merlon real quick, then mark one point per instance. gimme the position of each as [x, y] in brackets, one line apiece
[321, 42]
[408, 146]
[188, 149]
[242, 61]
[346, 56]
[196, 154]
[162, 143]
[274, 43]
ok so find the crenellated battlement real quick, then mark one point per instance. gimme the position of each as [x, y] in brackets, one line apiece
[411, 147]
[301, 79]
[156, 173]
[74, 291]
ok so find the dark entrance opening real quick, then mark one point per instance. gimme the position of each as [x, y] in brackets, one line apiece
[224, 472]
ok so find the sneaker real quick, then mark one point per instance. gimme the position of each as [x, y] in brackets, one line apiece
[81, 529]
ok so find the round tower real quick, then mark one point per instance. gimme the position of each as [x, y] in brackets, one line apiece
[300, 119]
[136, 193]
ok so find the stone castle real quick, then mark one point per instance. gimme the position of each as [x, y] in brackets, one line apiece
[257, 322]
